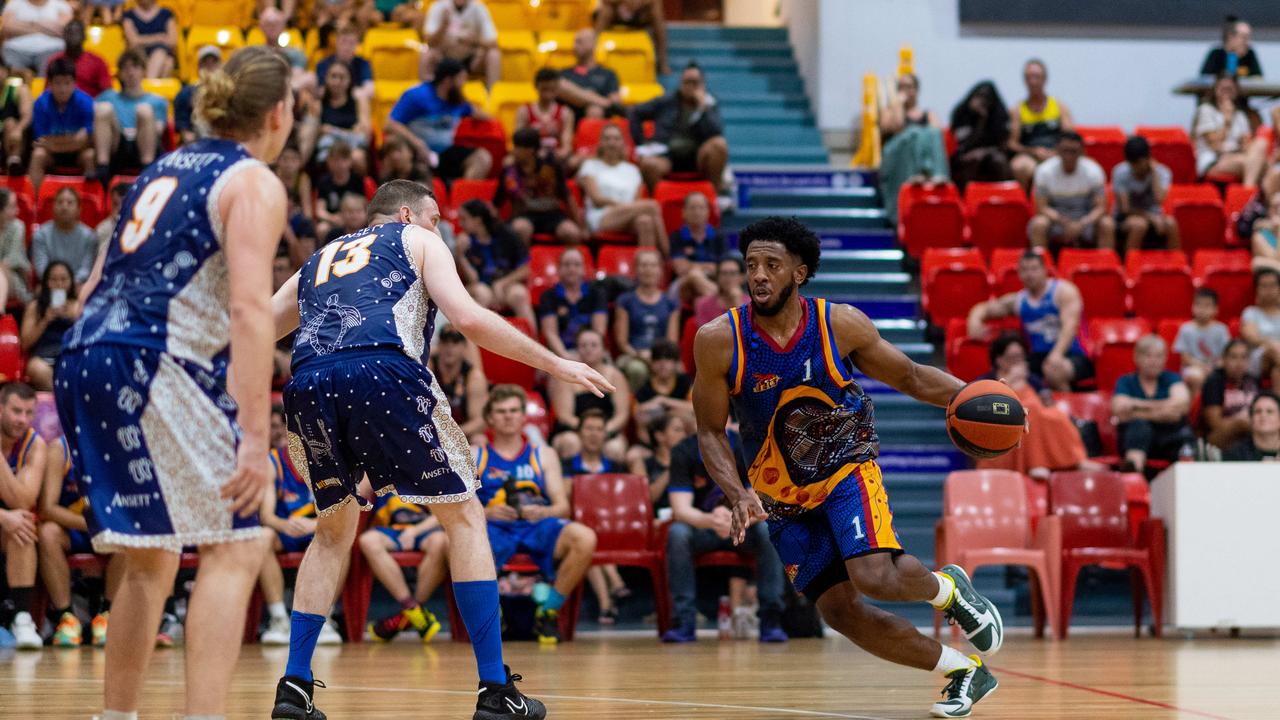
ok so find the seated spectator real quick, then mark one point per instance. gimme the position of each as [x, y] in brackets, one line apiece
[92, 74]
[1150, 407]
[208, 59]
[1071, 200]
[15, 114]
[274, 27]
[612, 188]
[15, 264]
[665, 433]
[553, 121]
[492, 261]
[289, 168]
[1263, 441]
[592, 435]
[980, 126]
[61, 124]
[569, 401]
[340, 115]
[107, 226]
[339, 180]
[129, 125]
[1235, 57]
[19, 526]
[399, 526]
[1260, 325]
[644, 316]
[527, 507]
[535, 185]
[1266, 236]
[427, 116]
[33, 34]
[1050, 311]
[63, 532]
[571, 305]
[65, 238]
[666, 390]
[396, 161]
[463, 31]
[1225, 398]
[637, 15]
[346, 45]
[1201, 340]
[695, 249]
[1222, 136]
[1035, 124]
[730, 291]
[299, 234]
[912, 148]
[688, 134]
[153, 30]
[590, 88]
[332, 15]
[462, 382]
[1140, 185]
[45, 321]
[700, 524]
[351, 216]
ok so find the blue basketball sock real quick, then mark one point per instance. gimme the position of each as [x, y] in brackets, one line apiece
[554, 601]
[303, 634]
[478, 605]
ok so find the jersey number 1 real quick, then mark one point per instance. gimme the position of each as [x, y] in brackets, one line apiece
[146, 210]
[356, 258]
[808, 369]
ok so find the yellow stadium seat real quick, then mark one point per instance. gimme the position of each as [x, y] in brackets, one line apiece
[37, 87]
[519, 55]
[229, 39]
[566, 15]
[555, 49]
[505, 97]
[629, 54]
[181, 11]
[237, 13]
[107, 42]
[394, 52]
[476, 93]
[386, 93]
[637, 93]
[291, 39]
[510, 14]
[166, 88]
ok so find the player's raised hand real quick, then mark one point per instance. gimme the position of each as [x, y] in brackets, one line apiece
[747, 510]
[253, 472]
[582, 374]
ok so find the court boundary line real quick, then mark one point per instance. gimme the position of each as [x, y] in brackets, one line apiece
[1107, 693]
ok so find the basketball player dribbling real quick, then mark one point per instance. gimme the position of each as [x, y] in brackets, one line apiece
[785, 362]
[163, 386]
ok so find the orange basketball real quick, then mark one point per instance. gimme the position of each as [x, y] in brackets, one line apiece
[985, 419]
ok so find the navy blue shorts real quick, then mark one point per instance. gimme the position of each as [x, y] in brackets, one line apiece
[377, 413]
[394, 534]
[153, 439]
[535, 539]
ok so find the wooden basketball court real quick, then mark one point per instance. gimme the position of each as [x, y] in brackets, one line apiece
[626, 676]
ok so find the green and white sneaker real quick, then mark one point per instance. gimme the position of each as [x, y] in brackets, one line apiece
[976, 615]
[967, 687]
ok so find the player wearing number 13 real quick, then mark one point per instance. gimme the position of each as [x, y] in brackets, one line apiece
[163, 387]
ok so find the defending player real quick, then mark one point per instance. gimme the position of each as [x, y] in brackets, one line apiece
[808, 434]
[362, 401]
[171, 443]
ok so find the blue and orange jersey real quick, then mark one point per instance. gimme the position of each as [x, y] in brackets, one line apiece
[806, 424]
[69, 496]
[293, 494]
[21, 449]
[390, 511]
[500, 476]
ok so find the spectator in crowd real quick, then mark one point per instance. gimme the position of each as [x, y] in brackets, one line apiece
[527, 507]
[289, 168]
[128, 125]
[1071, 200]
[463, 383]
[980, 126]
[299, 234]
[571, 305]
[153, 30]
[15, 264]
[1260, 325]
[1225, 398]
[912, 149]
[339, 114]
[701, 524]
[1035, 124]
[45, 321]
[104, 230]
[1050, 311]
[427, 116]
[1265, 240]
[665, 433]
[92, 74]
[492, 261]
[463, 31]
[553, 121]
[666, 390]
[1221, 134]
[351, 216]
[208, 60]
[33, 33]
[535, 185]
[1263, 441]
[612, 188]
[396, 161]
[273, 24]
[1151, 405]
[638, 15]
[19, 526]
[605, 581]
[15, 114]
[688, 134]
[1235, 57]
[1140, 185]
[590, 88]
[399, 526]
[644, 316]
[61, 124]
[339, 180]
[1201, 340]
[65, 238]
[346, 45]
[730, 293]
[695, 249]
[569, 402]
[332, 15]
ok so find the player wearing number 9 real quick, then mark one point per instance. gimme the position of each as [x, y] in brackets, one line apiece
[175, 347]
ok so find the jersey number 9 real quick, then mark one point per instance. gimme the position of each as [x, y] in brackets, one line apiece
[146, 210]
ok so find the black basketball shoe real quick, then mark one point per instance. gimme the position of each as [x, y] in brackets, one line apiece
[294, 699]
[504, 702]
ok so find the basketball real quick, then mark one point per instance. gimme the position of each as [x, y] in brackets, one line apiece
[985, 419]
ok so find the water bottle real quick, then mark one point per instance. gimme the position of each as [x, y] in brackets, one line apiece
[1233, 64]
[724, 618]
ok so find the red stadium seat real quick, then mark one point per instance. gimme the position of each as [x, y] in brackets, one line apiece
[1162, 292]
[1104, 290]
[1105, 144]
[1004, 269]
[1228, 272]
[1172, 146]
[930, 216]
[1071, 258]
[618, 260]
[1113, 340]
[1095, 407]
[670, 195]
[538, 414]
[687, 335]
[1167, 329]
[486, 134]
[544, 268]
[1137, 260]
[464, 190]
[499, 369]
[1236, 198]
[953, 281]
[12, 363]
[1197, 209]
[1205, 260]
[998, 215]
[967, 356]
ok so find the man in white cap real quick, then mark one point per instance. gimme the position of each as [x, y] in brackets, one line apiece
[208, 59]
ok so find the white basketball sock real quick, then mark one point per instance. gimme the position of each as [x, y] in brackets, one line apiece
[952, 660]
[946, 587]
[118, 715]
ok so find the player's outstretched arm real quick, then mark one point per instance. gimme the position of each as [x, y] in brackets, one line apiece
[485, 327]
[284, 307]
[879, 359]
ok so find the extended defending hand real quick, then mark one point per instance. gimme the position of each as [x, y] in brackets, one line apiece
[747, 510]
[581, 374]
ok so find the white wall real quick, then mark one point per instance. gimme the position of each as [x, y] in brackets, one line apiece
[1104, 80]
[802, 20]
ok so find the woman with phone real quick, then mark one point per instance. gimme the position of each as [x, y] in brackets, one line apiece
[45, 320]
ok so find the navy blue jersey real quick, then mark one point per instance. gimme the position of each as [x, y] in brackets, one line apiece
[164, 285]
[362, 291]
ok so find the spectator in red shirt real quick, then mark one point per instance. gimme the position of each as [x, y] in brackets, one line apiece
[92, 75]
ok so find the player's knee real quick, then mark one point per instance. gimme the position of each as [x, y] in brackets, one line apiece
[581, 538]
[871, 578]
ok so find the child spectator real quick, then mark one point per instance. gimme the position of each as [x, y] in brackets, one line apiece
[45, 321]
[1151, 406]
[339, 180]
[492, 261]
[534, 183]
[571, 305]
[19, 490]
[553, 121]
[15, 265]
[612, 187]
[152, 30]
[1201, 339]
[1260, 325]
[1263, 441]
[351, 216]
[128, 125]
[399, 526]
[569, 401]
[61, 123]
[1224, 401]
[65, 238]
[1140, 184]
[107, 226]
[696, 247]
[643, 316]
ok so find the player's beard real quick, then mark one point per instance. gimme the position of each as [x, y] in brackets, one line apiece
[770, 310]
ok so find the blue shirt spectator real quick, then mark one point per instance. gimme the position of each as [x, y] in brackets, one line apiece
[126, 108]
[431, 118]
[646, 322]
[47, 118]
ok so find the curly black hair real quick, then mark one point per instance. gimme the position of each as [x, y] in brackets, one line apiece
[791, 233]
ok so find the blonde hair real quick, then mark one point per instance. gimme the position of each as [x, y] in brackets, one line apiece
[234, 99]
